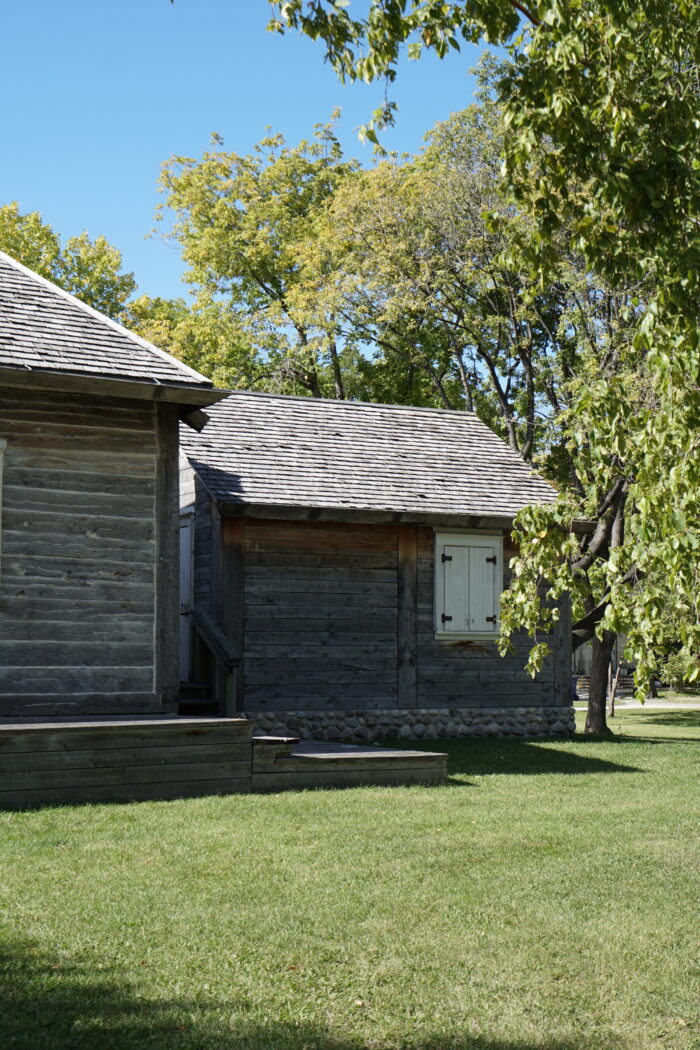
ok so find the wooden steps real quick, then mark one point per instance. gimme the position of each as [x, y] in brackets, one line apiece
[143, 758]
[285, 762]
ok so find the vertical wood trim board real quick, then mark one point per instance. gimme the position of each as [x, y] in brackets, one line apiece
[233, 591]
[167, 560]
[562, 652]
[407, 634]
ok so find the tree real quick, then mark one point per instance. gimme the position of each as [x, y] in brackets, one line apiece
[601, 103]
[422, 276]
[245, 225]
[91, 270]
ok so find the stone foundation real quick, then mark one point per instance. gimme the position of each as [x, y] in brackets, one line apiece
[417, 723]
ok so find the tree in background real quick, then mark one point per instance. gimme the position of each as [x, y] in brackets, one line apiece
[90, 270]
[245, 225]
[601, 102]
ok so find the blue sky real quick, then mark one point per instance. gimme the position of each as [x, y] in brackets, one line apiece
[97, 95]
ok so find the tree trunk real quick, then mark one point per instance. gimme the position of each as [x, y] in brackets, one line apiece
[613, 687]
[601, 652]
[652, 693]
[337, 374]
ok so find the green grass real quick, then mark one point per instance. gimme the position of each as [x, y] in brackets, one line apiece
[545, 899]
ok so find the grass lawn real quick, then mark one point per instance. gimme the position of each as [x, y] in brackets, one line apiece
[545, 899]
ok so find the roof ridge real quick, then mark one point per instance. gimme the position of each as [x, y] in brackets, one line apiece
[115, 325]
[352, 403]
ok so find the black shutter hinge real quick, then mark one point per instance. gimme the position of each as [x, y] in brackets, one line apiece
[492, 560]
[491, 619]
[447, 557]
[445, 618]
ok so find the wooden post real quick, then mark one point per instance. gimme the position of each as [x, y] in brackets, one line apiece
[233, 598]
[407, 635]
[167, 574]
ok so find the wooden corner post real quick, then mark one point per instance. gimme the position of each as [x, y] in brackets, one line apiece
[407, 634]
[233, 602]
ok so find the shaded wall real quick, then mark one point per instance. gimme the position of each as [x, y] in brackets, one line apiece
[88, 585]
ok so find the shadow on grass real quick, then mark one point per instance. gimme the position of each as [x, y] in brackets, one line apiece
[480, 757]
[67, 1006]
[682, 719]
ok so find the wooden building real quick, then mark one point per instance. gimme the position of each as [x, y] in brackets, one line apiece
[351, 556]
[88, 506]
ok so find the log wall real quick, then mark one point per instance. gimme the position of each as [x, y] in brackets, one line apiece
[87, 577]
[337, 616]
[320, 615]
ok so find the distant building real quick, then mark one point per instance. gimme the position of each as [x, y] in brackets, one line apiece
[352, 556]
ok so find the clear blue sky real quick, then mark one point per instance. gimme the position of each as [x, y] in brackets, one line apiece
[98, 94]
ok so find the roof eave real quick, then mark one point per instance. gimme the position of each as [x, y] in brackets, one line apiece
[108, 386]
[290, 512]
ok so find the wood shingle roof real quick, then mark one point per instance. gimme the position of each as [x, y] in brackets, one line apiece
[45, 329]
[268, 450]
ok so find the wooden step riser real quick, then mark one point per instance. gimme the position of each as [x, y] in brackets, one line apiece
[263, 782]
[123, 793]
[85, 758]
[300, 763]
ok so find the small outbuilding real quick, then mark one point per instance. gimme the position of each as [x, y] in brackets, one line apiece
[345, 562]
[88, 507]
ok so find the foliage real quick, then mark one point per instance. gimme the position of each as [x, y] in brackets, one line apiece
[90, 270]
[245, 225]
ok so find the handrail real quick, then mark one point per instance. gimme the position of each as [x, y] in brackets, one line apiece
[215, 638]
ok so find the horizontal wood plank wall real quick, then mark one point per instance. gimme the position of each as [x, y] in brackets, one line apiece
[78, 554]
[320, 616]
[463, 674]
[158, 759]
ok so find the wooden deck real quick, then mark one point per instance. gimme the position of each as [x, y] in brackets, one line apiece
[68, 760]
[122, 760]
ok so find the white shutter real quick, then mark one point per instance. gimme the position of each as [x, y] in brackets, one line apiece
[468, 583]
[482, 589]
[455, 570]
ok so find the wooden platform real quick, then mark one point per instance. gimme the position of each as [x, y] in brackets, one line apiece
[122, 760]
[68, 760]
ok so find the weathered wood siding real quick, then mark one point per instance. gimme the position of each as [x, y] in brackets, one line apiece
[320, 616]
[87, 581]
[339, 617]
